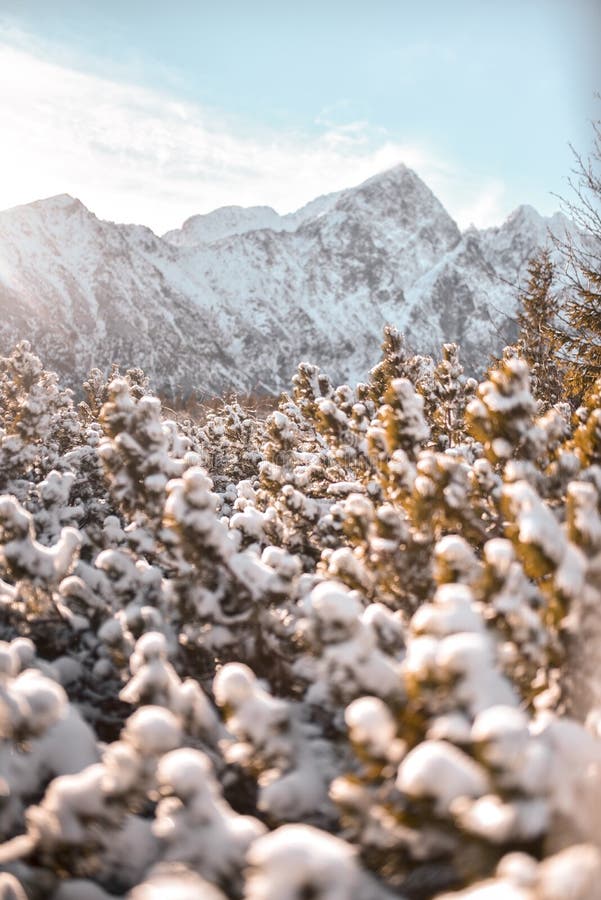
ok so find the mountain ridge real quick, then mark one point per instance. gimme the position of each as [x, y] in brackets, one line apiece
[235, 298]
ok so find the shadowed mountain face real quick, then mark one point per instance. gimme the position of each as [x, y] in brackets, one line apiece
[236, 298]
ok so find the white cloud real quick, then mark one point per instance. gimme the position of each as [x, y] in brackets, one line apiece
[486, 207]
[134, 154]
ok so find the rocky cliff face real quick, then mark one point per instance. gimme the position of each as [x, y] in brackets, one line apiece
[236, 298]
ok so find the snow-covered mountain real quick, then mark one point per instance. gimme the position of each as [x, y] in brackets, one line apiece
[236, 298]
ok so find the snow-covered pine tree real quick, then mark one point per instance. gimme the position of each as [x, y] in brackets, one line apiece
[537, 340]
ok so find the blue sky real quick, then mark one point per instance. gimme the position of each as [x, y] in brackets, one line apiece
[152, 111]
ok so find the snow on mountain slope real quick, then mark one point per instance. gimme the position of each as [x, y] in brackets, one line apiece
[232, 220]
[236, 298]
[509, 246]
[223, 222]
[87, 292]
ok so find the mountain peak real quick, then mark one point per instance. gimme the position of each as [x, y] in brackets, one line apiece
[58, 202]
[524, 215]
[399, 182]
[395, 174]
[399, 198]
[399, 170]
[49, 209]
[63, 204]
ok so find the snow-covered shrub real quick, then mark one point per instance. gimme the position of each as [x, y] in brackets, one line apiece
[231, 442]
[194, 823]
[140, 452]
[347, 659]
[347, 649]
[38, 421]
[272, 741]
[297, 861]
[572, 873]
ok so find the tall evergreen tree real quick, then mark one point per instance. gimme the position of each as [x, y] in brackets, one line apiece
[537, 342]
